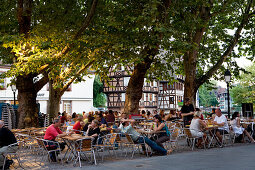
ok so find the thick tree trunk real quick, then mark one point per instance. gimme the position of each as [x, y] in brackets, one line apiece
[135, 87]
[53, 103]
[27, 110]
[190, 78]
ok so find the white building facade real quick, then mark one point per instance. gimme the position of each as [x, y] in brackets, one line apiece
[78, 98]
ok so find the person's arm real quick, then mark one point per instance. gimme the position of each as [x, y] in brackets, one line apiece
[61, 135]
[187, 114]
[202, 123]
[159, 128]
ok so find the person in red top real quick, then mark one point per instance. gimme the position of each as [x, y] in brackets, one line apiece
[63, 118]
[78, 124]
[52, 132]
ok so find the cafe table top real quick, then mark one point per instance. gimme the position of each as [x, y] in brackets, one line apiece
[149, 131]
[74, 137]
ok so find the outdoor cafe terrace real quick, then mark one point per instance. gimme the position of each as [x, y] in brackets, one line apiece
[115, 146]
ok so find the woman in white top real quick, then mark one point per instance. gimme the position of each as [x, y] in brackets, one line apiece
[238, 130]
[196, 127]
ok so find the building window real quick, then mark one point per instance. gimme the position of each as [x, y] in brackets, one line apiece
[67, 106]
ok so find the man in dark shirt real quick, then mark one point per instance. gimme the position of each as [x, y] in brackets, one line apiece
[6, 138]
[187, 111]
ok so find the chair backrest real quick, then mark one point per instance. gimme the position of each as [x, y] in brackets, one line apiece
[187, 132]
[113, 138]
[129, 139]
[175, 133]
[40, 143]
[85, 143]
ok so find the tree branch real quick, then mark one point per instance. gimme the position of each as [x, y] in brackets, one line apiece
[85, 25]
[213, 69]
[76, 75]
[44, 80]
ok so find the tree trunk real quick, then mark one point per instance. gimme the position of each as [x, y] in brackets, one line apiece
[190, 78]
[135, 87]
[53, 103]
[27, 110]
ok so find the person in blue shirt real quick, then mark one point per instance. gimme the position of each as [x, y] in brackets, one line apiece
[126, 126]
[101, 120]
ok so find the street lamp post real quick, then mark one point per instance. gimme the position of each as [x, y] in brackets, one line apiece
[14, 91]
[227, 76]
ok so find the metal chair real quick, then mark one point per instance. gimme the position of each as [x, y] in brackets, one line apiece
[109, 142]
[49, 147]
[83, 146]
[192, 139]
[13, 152]
[135, 146]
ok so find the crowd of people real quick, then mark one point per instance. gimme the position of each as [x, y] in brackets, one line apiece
[97, 124]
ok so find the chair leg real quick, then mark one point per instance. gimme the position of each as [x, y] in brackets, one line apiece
[4, 162]
[79, 157]
[193, 143]
[94, 157]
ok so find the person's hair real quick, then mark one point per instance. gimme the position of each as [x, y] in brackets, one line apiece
[73, 115]
[197, 114]
[234, 115]
[56, 120]
[158, 117]
[90, 118]
[143, 112]
[96, 122]
[162, 113]
[148, 113]
[197, 109]
[80, 117]
[110, 112]
[100, 115]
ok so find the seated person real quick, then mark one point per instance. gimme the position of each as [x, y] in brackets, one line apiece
[90, 119]
[86, 118]
[126, 126]
[101, 120]
[238, 130]
[93, 131]
[161, 114]
[63, 118]
[52, 132]
[222, 122]
[110, 116]
[77, 127]
[196, 127]
[160, 126]
[6, 138]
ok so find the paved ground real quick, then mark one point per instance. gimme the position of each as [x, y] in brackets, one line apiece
[235, 157]
[232, 158]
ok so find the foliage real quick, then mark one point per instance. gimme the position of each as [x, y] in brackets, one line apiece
[207, 97]
[99, 98]
[244, 92]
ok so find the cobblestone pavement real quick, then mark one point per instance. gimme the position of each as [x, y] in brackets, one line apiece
[237, 156]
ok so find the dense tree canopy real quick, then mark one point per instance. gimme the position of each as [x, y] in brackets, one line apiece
[244, 91]
[207, 96]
